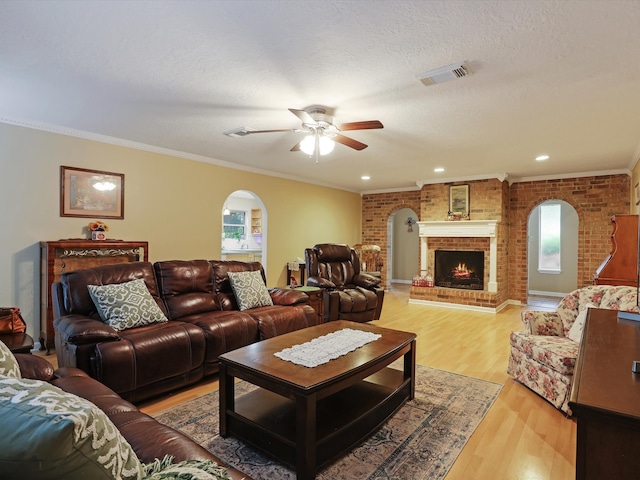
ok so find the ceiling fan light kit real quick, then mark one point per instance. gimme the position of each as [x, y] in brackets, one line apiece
[325, 144]
[322, 134]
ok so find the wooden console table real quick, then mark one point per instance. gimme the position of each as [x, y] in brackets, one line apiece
[75, 254]
[605, 398]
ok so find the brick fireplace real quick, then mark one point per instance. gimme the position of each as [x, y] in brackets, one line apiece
[466, 237]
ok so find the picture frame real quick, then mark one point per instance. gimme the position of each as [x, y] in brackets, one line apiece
[91, 193]
[637, 192]
[459, 201]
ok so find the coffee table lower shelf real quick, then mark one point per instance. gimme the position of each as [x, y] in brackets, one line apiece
[343, 419]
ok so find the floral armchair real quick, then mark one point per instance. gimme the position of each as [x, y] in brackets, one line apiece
[544, 355]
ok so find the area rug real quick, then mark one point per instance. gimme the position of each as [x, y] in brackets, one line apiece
[421, 441]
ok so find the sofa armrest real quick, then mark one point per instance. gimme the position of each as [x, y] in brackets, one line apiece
[34, 367]
[320, 282]
[542, 323]
[81, 330]
[287, 297]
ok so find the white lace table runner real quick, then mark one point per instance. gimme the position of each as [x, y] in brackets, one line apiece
[328, 347]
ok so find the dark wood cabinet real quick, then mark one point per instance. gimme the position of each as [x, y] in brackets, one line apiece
[605, 398]
[621, 265]
[61, 256]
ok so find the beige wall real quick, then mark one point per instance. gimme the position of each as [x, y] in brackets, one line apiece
[173, 203]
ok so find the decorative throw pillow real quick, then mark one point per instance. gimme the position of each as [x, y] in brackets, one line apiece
[48, 433]
[186, 470]
[8, 364]
[575, 332]
[249, 289]
[126, 305]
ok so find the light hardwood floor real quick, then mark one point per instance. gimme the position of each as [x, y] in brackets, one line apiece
[522, 436]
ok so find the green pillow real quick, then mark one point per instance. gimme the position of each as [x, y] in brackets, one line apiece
[8, 363]
[126, 305]
[48, 433]
[249, 289]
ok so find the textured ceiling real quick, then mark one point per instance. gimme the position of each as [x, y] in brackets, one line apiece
[554, 77]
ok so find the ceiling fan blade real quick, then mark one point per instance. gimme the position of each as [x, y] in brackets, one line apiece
[302, 115]
[249, 132]
[349, 142]
[367, 125]
[296, 147]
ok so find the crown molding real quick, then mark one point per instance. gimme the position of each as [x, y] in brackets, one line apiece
[71, 132]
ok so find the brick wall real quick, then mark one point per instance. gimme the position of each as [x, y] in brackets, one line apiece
[595, 199]
[377, 210]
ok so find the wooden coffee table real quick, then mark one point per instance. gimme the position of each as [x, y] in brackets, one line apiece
[306, 417]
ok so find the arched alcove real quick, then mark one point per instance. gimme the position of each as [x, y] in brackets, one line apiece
[542, 281]
[404, 246]
[244, 228]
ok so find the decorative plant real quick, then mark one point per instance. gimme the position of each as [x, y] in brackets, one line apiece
[98, 226]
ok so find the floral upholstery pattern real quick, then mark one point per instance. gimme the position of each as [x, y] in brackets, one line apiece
[543, 356]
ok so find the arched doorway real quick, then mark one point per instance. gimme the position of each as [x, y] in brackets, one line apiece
[404, 246]
[244, 228]
[552, 253]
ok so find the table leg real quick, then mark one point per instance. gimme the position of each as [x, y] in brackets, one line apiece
[306, 438]
[226, 398]
[410, 368]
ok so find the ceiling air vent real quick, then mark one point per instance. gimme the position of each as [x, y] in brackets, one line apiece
[444, 74]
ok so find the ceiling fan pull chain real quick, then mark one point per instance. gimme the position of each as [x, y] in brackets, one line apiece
[316, 149]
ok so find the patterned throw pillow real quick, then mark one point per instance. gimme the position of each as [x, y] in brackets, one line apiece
[249, 289]
[126, 305]
[186, 470]
[48, 433]
[8, 364]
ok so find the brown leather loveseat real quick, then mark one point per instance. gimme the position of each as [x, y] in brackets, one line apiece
[148, 438]
[204, 322]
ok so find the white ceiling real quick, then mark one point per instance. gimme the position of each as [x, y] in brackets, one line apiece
[554, 77]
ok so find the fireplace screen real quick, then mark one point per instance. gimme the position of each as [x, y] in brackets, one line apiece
[459, 269]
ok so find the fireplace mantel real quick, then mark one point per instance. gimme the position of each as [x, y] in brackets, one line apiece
[463, 228]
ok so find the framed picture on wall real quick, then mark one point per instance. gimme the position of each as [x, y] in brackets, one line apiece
[91, 193]
[459, 200]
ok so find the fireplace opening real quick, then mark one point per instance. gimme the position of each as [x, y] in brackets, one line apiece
[459, 269]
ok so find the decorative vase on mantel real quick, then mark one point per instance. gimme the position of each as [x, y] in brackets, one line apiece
[98, 235]
[98, 230]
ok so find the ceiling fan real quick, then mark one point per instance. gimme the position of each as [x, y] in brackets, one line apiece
[322, 134]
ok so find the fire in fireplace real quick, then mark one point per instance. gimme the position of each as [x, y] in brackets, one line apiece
[459, 269]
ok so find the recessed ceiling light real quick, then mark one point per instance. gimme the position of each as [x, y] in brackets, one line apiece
[541, 158]
[365, 177]
[438, 169]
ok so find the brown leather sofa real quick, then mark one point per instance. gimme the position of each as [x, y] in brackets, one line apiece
[349, 293]
[204, 322]
[149, 438]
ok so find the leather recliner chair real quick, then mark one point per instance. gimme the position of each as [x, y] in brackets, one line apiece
[349, 294]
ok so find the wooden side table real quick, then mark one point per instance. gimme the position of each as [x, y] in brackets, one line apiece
[316, 300]
[17, 342]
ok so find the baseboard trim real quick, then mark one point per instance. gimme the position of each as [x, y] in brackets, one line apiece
[547, 294]
[457, 306]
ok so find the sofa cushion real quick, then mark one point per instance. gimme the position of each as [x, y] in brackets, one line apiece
[557, 353]
[126, 305]
[50, 434]
[8, 364]
[249, 290]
